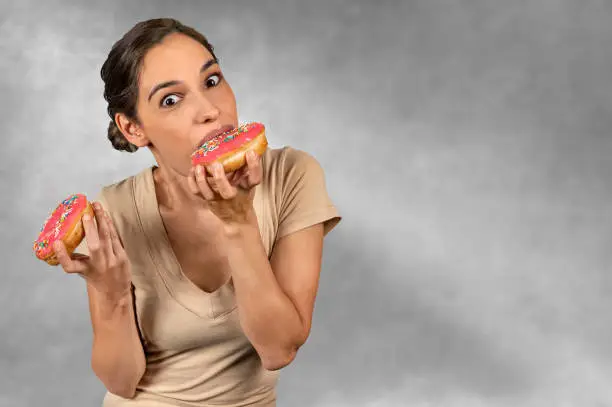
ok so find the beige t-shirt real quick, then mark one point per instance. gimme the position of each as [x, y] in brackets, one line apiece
[196, 351]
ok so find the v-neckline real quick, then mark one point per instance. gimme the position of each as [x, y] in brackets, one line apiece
[203, 303]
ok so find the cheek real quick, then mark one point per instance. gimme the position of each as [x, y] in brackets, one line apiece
[228, 101]
[174, 124]
[169, 130]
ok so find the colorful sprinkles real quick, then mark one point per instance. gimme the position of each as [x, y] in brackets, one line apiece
[55, 225]
[216, 142]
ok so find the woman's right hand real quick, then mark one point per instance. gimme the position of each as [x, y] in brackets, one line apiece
[107, 268]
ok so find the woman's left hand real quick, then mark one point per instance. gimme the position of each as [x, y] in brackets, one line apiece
[230, 196]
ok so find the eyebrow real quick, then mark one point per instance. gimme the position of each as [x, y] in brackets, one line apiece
[163, 85]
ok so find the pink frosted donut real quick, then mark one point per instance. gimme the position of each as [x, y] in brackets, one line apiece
[229, 148]
[63, 224]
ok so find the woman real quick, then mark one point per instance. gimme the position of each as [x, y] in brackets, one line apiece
[200, 287]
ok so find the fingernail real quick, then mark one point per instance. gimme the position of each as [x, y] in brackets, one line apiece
[86, 217]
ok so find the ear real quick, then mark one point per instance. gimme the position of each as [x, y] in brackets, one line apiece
[131, 130]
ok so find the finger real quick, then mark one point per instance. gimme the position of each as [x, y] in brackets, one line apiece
[201, 184]
[244, 182]
[254, 168]
[106, 247]
[116, 244]
[191, 181]
[234, 176]
[69, 265]
[219, 182]
[91, 236]
[79, 256]
[242, 178]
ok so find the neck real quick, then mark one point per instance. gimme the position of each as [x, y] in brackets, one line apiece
[171, 190]
[161, 188]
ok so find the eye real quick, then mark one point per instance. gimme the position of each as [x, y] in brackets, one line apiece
[169, 101]
[213, 80]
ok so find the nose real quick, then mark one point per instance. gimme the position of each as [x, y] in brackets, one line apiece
[207, 111]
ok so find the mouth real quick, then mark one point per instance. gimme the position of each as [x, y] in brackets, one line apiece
[214, 133]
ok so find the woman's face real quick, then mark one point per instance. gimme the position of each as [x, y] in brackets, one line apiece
[182, 99]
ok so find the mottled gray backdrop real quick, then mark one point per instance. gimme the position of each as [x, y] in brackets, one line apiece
[472, 268]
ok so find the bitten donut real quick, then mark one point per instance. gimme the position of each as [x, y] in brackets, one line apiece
[63, 224]
[230, 148]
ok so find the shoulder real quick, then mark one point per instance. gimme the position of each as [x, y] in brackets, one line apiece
[288, 155]
[115, 195]
[297, 182]
[289, 161]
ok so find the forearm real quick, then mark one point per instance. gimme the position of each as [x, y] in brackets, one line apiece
[117, 354]
[268, 317]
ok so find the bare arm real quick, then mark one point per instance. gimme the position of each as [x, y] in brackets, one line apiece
[276, 298]
[118, 358]
[117, 354]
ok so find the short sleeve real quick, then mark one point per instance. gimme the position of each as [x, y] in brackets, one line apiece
[304, 199]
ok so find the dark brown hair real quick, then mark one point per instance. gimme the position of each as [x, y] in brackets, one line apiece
[120, 72]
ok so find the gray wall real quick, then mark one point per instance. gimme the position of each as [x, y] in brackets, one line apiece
[472, 267]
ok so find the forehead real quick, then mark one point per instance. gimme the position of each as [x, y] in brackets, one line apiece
[178, 56]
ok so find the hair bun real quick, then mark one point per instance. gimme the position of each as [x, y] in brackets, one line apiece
[118, 140]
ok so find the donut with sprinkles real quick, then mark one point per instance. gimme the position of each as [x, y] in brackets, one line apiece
[230, 148]
[64, 223]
